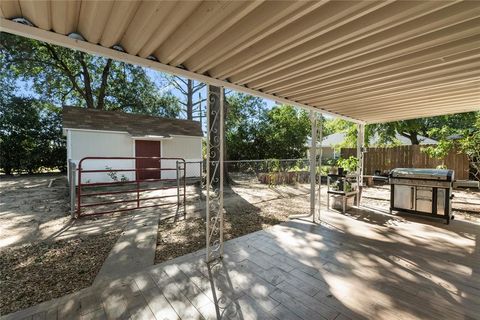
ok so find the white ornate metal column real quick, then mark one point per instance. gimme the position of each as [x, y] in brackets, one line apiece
[313, 163]
[319, 139]
[214, 172]
[360, 151]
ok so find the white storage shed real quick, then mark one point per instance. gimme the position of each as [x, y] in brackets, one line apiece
[98, 133]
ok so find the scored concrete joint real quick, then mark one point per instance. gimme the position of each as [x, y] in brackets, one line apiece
[134, 249]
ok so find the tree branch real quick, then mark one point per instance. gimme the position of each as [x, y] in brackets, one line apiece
[198, 87]
[104, 85]
[199, 101]
[179, 88]
[175, 78]
[87, 80]
[65, 68]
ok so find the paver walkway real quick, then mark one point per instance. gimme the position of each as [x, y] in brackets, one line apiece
[134, 249]
[362, 265]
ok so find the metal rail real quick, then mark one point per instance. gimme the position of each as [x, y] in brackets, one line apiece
[179, 180]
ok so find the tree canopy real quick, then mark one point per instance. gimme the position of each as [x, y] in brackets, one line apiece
[30, 123]
[65, 76]
[30, 136]
[255, 131]
[437, 128]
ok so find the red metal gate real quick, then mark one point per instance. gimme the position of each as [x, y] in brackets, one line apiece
[87, 189]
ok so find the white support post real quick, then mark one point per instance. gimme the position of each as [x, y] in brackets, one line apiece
[319, 139]
[221, 164]
[360, 147]
[313, 162]
[215, 174]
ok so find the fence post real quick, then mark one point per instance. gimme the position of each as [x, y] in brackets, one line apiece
[184, 189]
[72, 167]
[79, 189]
[178, 183]
[138, 193]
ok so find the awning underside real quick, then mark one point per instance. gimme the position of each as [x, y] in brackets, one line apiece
[374, 61]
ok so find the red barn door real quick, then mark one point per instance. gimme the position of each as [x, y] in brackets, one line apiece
[145, 148]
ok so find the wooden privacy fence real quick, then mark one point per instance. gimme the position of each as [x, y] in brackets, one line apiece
[385, 159]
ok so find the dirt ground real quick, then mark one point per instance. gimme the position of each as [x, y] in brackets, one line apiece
[43, 253]
[42, 271]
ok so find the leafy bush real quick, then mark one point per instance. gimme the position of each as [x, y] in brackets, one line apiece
[30, 136]
[349, 164]
[114, 175]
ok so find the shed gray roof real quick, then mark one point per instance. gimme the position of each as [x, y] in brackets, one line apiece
[135, 124]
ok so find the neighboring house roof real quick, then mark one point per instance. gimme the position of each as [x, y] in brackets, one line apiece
[336, 138]
[135, 124]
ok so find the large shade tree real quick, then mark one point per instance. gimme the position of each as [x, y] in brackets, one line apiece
[256, 131]
[65, 76]
[437, 128]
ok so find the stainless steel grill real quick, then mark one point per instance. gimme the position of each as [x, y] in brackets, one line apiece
[422, 191]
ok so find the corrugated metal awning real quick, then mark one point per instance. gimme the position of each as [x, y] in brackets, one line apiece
[372, 61]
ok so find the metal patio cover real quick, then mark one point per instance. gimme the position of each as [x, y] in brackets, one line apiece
[371, 61]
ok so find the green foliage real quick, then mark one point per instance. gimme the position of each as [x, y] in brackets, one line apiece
[114, 175]
[67, 77]
[274, 165]
[30, 136]
[299, 166]
[437, 128]
[284, 130]
[323, 170]
[470, 145]
[253, 131]
[242, 126]
[30, 128]
[458, 130]
[440, 150]
[349, 164]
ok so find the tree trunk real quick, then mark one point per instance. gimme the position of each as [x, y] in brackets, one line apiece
[103, 86]
[7, 170]
[87, 81]
[412, 136]
[414, 139]
[189, 99]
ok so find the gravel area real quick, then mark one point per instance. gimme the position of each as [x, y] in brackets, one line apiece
[38, 272]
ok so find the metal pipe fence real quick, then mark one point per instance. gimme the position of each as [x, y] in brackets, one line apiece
[104, 193]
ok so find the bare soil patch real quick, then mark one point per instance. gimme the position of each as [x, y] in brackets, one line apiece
[29, 210]
[38, 272]
[177, 238]
[44, 254]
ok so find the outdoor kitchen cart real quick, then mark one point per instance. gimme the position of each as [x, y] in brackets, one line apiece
[422, 191]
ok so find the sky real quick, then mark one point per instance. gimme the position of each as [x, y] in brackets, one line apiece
[156, 76]
[24, 88]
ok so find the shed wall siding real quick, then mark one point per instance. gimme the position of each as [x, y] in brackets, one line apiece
[83, 144]
[188, 148]
[102, 144]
